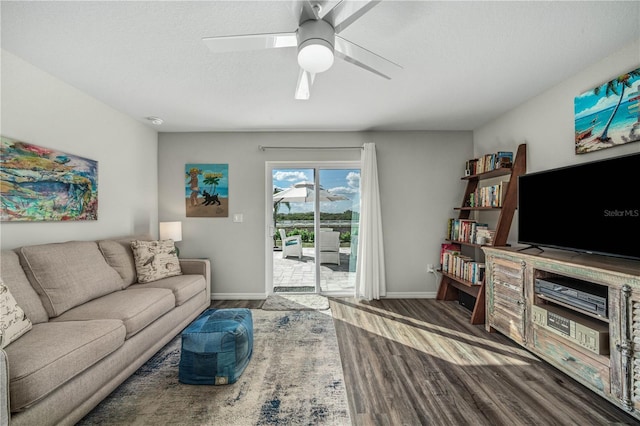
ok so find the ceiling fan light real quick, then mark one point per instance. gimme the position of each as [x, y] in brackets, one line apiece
[315, 56]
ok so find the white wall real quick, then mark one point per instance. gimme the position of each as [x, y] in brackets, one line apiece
[546, 122]
[40, 109]
[420, 183]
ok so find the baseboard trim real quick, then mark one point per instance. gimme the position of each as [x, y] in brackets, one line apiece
[411, 295]
[238, 296]
[260, 296]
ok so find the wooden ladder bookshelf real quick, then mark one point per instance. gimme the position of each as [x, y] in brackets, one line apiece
[451, 285]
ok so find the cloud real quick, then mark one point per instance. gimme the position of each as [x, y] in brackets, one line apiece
[343, 190]
[290, 176]
[353, 186]
[610, 101]
[585, 94]
[353, 180]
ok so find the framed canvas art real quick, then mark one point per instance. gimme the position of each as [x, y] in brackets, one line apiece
[43, 184]
[207, 190]
[608, 115]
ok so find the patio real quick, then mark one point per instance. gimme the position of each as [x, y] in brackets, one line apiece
[298, 275]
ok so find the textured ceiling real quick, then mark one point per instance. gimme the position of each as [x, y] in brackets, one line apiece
[464, 63]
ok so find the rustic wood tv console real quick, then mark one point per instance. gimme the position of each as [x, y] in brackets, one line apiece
[609, 367]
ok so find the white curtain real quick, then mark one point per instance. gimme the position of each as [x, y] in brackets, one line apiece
[370, 272]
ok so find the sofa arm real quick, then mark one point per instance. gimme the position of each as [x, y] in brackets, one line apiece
[4, 389]
[198, 267]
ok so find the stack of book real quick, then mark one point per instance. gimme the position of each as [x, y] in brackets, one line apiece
[488, 162]
[488, 196]
[446, 251]
[466, 230]
[459, 265]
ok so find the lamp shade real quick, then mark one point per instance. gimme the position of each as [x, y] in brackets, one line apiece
[315, 56]
[316, 39]
[171, 231]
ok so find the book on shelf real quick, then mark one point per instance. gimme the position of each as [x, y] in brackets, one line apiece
[464, 230]
[473, 238]
[449, 249]
[488, 196]
[504, 159]
[488, 162]
[463, 267]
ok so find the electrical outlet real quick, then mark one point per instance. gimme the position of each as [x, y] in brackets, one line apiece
[430, 268]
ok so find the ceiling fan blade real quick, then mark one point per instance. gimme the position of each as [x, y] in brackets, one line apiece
[303, 89]
[250, 42]
[364, 58]
[347, 12]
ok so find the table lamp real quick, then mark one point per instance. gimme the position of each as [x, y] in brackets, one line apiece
[171, 231]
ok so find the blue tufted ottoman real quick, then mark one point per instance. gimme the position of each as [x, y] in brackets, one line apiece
[216, 347]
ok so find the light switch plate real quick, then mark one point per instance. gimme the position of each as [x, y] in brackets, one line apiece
[238, 217]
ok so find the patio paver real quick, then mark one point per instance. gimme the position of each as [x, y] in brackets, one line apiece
[291, 273]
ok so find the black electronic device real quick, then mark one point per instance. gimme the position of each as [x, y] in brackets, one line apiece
[587, 296]
[590, 207]
[466, 300]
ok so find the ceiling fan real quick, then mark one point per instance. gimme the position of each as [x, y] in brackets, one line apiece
[317, 41]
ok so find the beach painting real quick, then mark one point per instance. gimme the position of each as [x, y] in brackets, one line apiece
[608, 115]
[207, 190]
[40, 184]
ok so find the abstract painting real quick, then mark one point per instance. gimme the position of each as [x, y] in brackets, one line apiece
[207, 190]
[42, 184]
[608, 115]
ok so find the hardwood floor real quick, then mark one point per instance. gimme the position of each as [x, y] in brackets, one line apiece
[420, 362]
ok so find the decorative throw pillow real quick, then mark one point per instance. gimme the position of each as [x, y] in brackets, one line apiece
[155, 260]
[13, 322]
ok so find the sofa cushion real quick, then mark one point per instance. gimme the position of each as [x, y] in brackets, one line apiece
[55, 352]
[68, 274]
[13, 322]
[13, 276]
[155, 260]
[119, 255]
[135, 307]
[184, 287]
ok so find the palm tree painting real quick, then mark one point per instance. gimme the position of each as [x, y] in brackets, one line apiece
[609, 114]
[207, 190]
[212, 179]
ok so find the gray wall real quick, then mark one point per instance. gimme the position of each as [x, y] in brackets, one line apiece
[419, 176]
[40, 109]
[546, 122]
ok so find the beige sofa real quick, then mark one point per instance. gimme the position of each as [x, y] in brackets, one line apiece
[93, 324]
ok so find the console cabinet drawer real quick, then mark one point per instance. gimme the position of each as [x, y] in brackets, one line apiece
[572, 361]
[505, 298]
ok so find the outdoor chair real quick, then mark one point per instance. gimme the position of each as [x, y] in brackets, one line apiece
[291, 246]
[329, 247]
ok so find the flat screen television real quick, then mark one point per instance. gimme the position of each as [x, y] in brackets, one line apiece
[590, 207]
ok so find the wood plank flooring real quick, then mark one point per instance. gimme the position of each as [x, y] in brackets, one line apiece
[420, 362]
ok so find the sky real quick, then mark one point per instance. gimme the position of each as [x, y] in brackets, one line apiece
[345, 182]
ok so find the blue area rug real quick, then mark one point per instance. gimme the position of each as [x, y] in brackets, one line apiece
[294, 378]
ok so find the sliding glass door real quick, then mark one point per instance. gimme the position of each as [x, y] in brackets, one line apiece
[313, 234]
[339, 214]
[294, 223]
